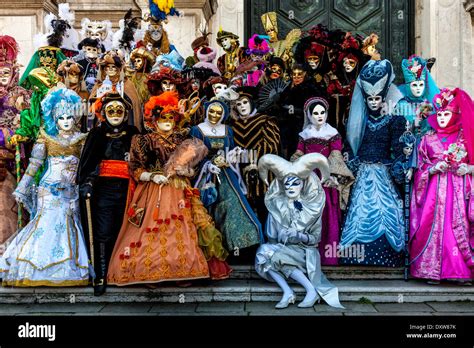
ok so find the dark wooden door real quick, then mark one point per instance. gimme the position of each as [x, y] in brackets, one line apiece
[392, 20]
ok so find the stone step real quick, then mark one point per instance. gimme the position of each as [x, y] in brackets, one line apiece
[240, 290]
[332, 272]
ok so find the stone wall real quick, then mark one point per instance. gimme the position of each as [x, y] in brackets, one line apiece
[444, 29]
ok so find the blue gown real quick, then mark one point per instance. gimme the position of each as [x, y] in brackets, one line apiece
[231, 211]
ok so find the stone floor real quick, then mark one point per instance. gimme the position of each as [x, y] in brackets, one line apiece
[237, 309]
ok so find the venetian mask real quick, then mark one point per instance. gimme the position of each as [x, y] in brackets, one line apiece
[243, 106]
[226, 43]
[298, 76]
[73, 78]
[138, 63]
[319, 116]
[165, 123]
[90, 52]
[214, 114]
[5, 76]
[48, 59]
[293, 186]
[417, 88]
[349, 64]
[65, 122]
[374, 103]
[443, 118]
[195, 85]
[217, 87]
[313, 62]
[275, 72]
[168, 86]
[273, 34]
[156, 31]
[111, 70]
[96, 30]
[115, 113]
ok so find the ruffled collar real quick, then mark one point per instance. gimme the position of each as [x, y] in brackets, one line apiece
[325, 132]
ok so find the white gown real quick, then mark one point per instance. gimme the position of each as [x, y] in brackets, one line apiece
[50, 250]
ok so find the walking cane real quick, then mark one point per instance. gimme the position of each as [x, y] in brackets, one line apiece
[89, 223]
[18, 178]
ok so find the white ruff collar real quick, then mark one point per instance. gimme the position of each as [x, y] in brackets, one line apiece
[325, 132]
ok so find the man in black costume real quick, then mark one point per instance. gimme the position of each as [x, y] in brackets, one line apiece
[103, 178]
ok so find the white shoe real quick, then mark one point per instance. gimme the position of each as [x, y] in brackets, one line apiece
[309, 300]
[286, 301]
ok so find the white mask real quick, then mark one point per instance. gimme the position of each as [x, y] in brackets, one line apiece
[349, 64]
[417, 88]
[293, 186]
[443, 118]
[65, 122]
[243, 106]
[319, 116]
[218, 87]
[167, 86]
[374, 103]
[115, 113]
[165, 127]
[226, 43]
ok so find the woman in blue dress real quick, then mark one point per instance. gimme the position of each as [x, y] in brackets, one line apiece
[222, 189]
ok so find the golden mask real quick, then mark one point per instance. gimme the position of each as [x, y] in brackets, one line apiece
[215, 113]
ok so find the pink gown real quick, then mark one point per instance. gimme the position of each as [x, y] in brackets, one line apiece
[331, 220]
[441, 234]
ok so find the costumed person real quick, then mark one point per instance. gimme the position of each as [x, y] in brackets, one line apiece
[156, 38]
[9, 121]
[215, 85]
[98, 30]
[40, 81]
[280, 48]
[87, 59]
[206, 56]
[312, 52]
[295, 200]
[50, 250]
[318, 136]
[159, 240]
[234, 54]
[274, 70]
[71, 75]
[164, 80]
[111, 77]
[369, 46]
[374, 232]
[47, 57]
[103, 177]
[350, 61]
[257, 135]
[252, 70]
[222, 188]
[124, 39]
[141, 61]
[289, 107]
[441, 239]
[197, 44]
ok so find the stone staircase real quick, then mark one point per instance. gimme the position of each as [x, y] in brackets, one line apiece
[356, 284]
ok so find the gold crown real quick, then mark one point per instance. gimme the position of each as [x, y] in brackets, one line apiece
[269, 21]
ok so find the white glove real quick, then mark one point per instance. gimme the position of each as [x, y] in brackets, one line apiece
[297, 237]
[440, 167]
[464, 169]
[409, 174]
[331, 182]
[234, 155]
[214, 169]
[160, 179]
[145, 176]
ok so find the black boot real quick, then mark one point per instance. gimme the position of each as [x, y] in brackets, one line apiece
[101, 272]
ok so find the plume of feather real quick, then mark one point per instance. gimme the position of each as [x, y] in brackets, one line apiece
[65, 13]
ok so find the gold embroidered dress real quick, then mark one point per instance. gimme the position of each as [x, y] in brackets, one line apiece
[50, 250]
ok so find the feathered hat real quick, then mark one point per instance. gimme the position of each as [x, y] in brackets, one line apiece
[258, 45]
[8, 50]
[155, 78]
[161, 9]
[124, 38]
[201, 41]
[58, 102]
[164, 104]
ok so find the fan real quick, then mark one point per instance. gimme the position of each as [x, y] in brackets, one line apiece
[270, 93]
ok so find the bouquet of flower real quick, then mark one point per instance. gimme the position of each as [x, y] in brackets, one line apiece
[454, 154]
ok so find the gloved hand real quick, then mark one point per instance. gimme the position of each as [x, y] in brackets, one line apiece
[439, 167]
[17, 138]
[160, 179]
[214, 169]
[233, 155]
[297, 237]
[85, 190]
[145, 176]
[331, 182]
[464, 169]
